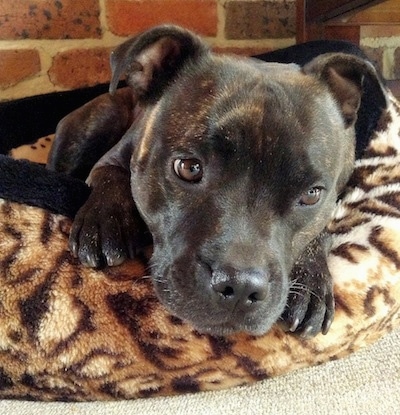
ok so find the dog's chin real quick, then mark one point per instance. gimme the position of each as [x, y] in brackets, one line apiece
[254, 325]
[190, 300]
[205, 322]
[230, 328]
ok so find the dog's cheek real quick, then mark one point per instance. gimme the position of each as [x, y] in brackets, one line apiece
[181, 284]
[309, 222]
[147, 195]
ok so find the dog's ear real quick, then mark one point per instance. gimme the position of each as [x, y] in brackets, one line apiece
[346, 76]
[152, 59]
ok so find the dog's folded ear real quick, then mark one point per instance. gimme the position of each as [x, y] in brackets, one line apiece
[152, 59]
[346, 76]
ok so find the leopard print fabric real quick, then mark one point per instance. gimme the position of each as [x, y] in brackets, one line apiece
[77, 334]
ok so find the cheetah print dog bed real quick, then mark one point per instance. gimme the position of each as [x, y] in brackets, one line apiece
[72, 333]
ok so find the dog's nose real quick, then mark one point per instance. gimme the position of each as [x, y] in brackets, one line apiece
[242, 288]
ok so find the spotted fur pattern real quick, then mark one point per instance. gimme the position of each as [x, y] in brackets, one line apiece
[78, 334]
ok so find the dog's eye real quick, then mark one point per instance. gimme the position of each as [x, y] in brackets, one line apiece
[189, 170]
[310, 197]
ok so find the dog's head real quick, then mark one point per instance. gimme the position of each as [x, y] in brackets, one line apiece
[237, 167]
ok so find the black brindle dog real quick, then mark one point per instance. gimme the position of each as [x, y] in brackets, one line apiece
[234, 166]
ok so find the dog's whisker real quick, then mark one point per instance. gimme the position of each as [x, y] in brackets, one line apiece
[297, 288]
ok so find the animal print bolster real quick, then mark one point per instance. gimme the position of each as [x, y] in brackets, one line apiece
[72, 333]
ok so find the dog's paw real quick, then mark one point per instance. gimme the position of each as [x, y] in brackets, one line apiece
[105, 232]
[310, 306]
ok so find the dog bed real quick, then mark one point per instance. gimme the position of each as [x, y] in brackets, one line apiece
[77, 334]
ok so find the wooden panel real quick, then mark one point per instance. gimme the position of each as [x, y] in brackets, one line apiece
[379, 30]
[386, 12]
[306, 30]
[345, 19]
[349, 33]
[323, 10]
[311, 15]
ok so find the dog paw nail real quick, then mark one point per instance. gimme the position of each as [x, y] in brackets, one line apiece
[294, 326]
[307, 332]
[327, 326]
[113, 261]
[90, 262]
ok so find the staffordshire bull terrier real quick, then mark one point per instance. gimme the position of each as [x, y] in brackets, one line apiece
[232, 164]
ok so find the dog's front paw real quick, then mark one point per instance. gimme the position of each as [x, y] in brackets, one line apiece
[310, 306]
[106, 232]
[108, 228]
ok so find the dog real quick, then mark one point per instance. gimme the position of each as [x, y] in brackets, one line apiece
[233, 165]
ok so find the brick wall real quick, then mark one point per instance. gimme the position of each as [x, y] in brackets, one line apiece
[50, 45]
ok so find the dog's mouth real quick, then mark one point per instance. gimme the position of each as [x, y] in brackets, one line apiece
[186, 290]
[234, 324]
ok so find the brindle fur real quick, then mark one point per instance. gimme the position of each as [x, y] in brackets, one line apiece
[226, 249]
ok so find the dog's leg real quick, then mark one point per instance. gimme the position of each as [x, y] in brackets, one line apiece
[87, 133]
[310, 306]
[108, 228]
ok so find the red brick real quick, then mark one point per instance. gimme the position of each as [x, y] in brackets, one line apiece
[127, 17]
[49, 19]
[17, 65]
[260, 19]
[79, 68]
